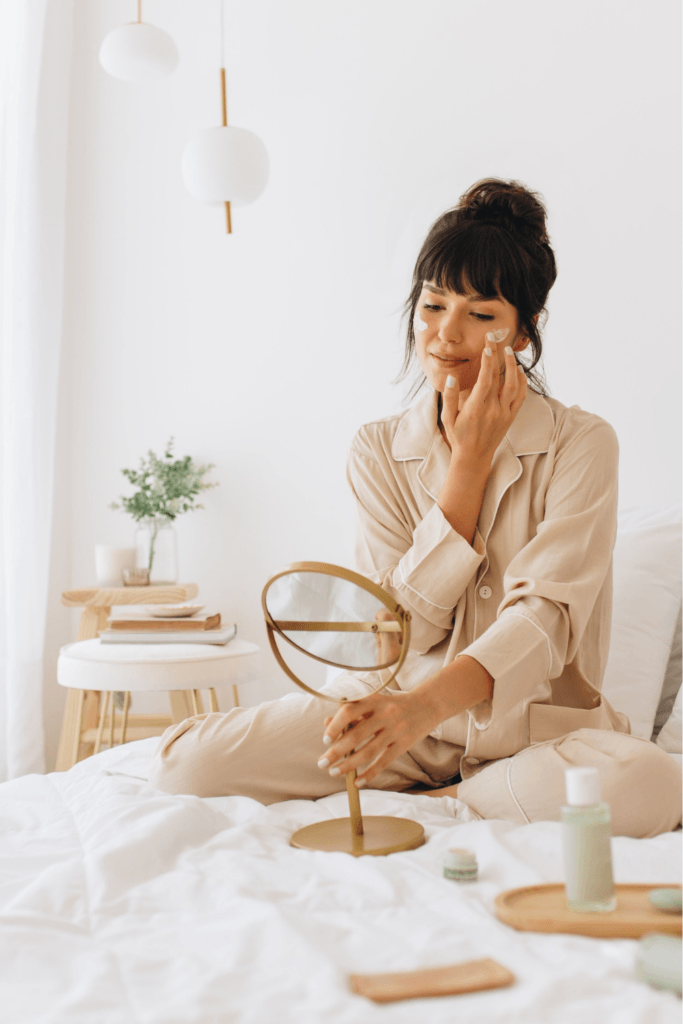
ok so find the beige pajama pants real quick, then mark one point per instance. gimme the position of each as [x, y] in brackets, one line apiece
[270, 753]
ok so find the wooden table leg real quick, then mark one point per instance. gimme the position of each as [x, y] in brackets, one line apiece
[92, 620]
[180, 708]
[72, 726]
[82, 707]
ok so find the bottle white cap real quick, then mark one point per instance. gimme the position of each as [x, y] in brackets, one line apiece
[583, 786]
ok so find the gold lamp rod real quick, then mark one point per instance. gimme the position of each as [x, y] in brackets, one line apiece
[139, 11]
[224, 106]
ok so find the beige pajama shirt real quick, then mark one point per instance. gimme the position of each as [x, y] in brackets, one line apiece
[530, 599]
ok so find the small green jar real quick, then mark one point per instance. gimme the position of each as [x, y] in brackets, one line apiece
[460, 866]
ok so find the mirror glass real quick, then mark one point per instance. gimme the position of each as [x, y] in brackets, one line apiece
[345, 615]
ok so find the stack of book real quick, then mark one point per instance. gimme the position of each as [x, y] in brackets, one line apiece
[199, 629]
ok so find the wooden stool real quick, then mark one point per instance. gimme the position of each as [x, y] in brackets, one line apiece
[181, 669]
[84, 706]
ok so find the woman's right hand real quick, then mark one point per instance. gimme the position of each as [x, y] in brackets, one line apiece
[474, 432]
[473, 435]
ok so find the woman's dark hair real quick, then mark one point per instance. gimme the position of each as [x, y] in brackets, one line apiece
[495, 242]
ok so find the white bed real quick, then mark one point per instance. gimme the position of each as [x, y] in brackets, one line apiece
[122, 904]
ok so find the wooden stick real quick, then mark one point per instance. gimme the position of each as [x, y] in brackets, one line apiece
[100, 728]
[224, 111]
[112, 716]
[126, 705]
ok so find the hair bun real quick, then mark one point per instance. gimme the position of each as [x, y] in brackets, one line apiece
[507, 204]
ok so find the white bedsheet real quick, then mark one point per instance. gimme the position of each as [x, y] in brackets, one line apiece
[122, 904]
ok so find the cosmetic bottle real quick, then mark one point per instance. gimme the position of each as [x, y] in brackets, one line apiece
[587, 829]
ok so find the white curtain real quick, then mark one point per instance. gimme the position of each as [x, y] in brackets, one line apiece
[35, 55]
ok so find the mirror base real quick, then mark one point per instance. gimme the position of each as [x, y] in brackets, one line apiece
[381, 835]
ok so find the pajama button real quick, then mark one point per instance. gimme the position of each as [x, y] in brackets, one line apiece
[485, 592]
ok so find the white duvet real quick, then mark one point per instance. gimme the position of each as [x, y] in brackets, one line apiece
[123, 904]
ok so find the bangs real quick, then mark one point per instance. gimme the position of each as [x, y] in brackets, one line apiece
[475, 257]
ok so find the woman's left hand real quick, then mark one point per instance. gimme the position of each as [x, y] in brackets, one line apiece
[385, 725]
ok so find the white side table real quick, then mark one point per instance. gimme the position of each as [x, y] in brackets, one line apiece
[82, 709]
[126, 668]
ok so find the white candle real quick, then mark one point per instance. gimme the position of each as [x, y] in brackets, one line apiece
[110, 563]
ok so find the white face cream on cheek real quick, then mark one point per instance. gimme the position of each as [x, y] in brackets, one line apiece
[498, 336]
[419, 323]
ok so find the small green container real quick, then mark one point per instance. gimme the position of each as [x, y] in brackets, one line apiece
[659, 961]
[460, 866]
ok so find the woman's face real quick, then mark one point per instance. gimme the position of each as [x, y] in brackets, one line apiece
[450, 334]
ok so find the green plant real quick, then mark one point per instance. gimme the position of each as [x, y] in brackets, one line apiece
[166, 487]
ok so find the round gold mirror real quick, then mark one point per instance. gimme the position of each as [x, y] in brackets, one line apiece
[345, 620]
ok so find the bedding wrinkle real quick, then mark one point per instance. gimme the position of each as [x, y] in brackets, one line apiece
[109, 955]
[200, 910]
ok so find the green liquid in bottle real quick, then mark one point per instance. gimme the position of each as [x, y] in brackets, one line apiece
[587, 832]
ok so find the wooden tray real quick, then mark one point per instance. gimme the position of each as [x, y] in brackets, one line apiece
[543, 908]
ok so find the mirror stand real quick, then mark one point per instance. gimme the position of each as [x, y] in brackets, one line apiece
[304, 603]
[375, 835]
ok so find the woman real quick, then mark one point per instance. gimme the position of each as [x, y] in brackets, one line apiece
[488, 510]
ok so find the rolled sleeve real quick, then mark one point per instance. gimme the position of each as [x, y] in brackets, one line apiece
[436, 569]
[426, 569]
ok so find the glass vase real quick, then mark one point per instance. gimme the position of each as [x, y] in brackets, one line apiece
[156, 549]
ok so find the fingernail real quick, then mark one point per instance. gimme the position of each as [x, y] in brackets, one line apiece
[508, 350]
[521, 369]
[335, 771]
[360, 783]
[487, 350]
[323, 763]
[450, 382]
[327, 740]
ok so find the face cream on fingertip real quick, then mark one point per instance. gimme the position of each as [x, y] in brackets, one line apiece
[498, 336]
[450, 382]
[419, 323]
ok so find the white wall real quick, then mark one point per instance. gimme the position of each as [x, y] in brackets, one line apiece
[264, 351]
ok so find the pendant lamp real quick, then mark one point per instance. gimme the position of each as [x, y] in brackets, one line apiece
[225, 164]
[138, 52]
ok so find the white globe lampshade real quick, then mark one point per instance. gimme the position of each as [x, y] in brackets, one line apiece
[138, 52]
[225, 165]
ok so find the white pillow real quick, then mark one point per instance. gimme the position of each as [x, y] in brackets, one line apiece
[672, 679]
[669, 738]
[647, 596]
